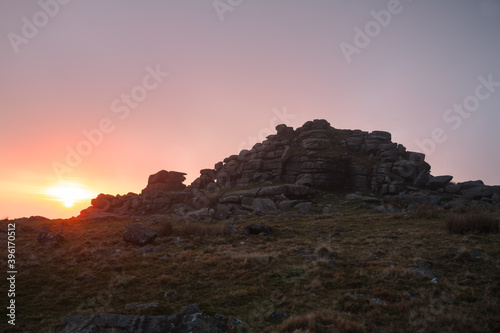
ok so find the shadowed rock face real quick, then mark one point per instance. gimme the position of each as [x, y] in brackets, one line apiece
[313, 157]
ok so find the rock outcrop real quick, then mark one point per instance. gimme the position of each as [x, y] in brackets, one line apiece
[190, 319]
[313, 157]
[322, 157]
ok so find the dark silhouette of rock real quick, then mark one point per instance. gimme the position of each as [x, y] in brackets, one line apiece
[452, 188]
[437, 182]
[478, 192]
[102, 202]
[470, 184]
[165, 181]
[313, 157]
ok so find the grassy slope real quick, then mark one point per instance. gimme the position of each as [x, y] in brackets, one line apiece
[248, 277]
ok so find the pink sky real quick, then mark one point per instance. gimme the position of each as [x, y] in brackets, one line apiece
[232, 72]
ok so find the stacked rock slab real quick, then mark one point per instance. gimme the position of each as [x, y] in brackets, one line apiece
[165, 181]
[322, 157]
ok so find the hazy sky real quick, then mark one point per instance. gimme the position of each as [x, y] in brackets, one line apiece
[105, 93]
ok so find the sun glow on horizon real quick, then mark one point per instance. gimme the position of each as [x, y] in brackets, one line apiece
[69, 193]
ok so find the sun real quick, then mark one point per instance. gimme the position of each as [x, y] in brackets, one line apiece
[69, 193]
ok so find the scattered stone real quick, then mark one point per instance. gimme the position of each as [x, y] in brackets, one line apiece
[278, 315]
[377, 301]
[465, 281]
[137, 234]
[368, 199]
[231, 229]
[139, 305]
[391, 209]
[411, 294]
[45, 238]
[353, 196]
[303, 205]
[170, 293]
[303, 211]
[190, 319]
[418, 199]
[258, 228]
[425, 264]
[146, 250]
[176, 240]
[426, 272]
[328, 210]
[219, 317]
[287, 204]
[380, 209]
[264, 206]
[234, 323]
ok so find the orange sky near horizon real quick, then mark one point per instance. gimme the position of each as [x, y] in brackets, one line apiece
[103, 94]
